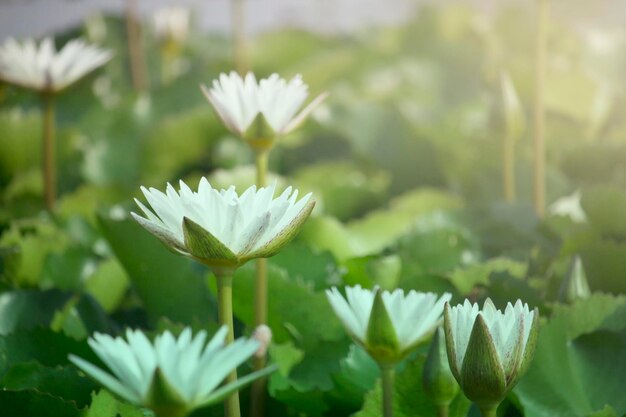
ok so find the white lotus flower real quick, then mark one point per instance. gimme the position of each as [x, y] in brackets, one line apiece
[221, 228]
[170, 376]
[43, 69]
[488, 349]
[172, 23]
[569, 206]
[391, 328]
[263, 110]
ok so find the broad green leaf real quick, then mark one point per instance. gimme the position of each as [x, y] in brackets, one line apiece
[35, 403]
[103, 404]
[167, 284]
[61, 381]
[478, 274]
[578, 362]
[23, 310]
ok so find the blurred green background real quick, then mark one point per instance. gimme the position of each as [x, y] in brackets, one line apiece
[405, 161]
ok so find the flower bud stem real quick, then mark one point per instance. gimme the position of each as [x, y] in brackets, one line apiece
[387, 374]
[539, 115]
[225, 315]
[257, 394]
[48, 149]
[489, 411]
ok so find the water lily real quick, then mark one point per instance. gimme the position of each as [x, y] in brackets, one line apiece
[389, 325]
[42, 68]
[489, 350]
[172, 23]
[172, 376]
[260, 111]
[221, 228]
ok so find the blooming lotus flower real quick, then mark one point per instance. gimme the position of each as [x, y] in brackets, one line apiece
[221, 228]
[43, 69]
[389, 325]
[260, 111]
[489, 350]
[170, 376]
[172, 23]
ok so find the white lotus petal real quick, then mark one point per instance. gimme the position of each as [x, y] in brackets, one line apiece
[243, 223]
[45, 69]
[413, 314]
[188, 363]
[239, 101]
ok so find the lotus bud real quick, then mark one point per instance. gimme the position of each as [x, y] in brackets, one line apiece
[489, 350]
[439, 383]
[388, 325]
[575, 285]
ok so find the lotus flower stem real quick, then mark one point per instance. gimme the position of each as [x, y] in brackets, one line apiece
[489, 411]
[225, 317]
[443, 410]
[133, 29]
[508, 158]
[240, 53]
[49, 154]
[539, 153]
[257, 394]
[387, 373]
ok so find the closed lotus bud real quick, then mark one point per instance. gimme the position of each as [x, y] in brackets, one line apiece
[388, 325]
[489, 350]
[575, 285]
[263, 335]
[439, 383]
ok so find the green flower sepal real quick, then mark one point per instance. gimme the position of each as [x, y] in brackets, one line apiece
[260, 135]
[381, 339]
[439, 383]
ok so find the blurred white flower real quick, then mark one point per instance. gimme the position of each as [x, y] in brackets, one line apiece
[176, 375]
[44, 69]
[220, 227]
[263, 110]
[172, 23]
[413, 317]
[488, 350]
[569, 206]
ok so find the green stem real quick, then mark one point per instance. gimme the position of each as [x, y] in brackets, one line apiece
[508, 178]
[387, 373]
[257, 394]
[443, 410]
[539, 153]
[225, 316]
[135, 49]
[489, 411]
[240, 53]
[49, 163]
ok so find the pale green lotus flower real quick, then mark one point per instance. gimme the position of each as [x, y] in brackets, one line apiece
[221, 228]
[171, 376]
[489, 350]
[389, 325]
[42, 68]
[260, 111]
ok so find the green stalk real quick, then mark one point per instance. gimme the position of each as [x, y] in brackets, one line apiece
[240, 53]
[48, 150]
[508, 178]
[489, 411]
[135, 49]
[443, 410]
[387, 373]
[225, 316]
[257, 394]
[539, 153]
